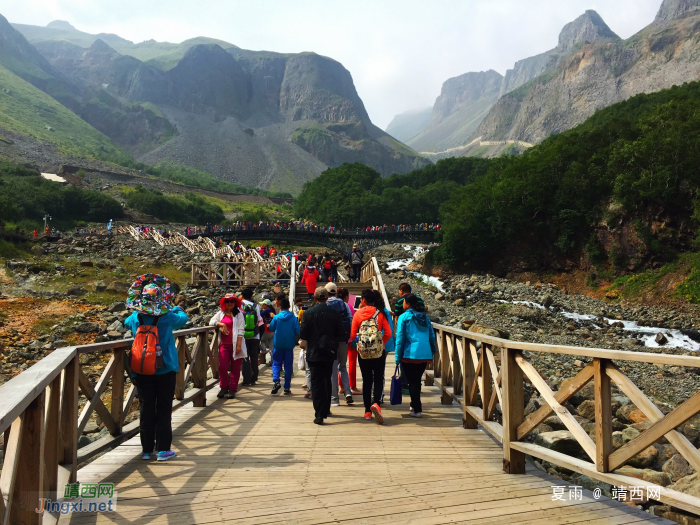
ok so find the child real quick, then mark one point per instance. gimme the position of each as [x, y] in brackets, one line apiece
[231, 322]
[151, 298]
[267, 312]
[286, 329]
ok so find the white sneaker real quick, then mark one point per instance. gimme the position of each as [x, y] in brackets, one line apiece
[415, 414]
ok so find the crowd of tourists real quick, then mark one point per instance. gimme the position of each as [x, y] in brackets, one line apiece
[307, 227]
[334, 339]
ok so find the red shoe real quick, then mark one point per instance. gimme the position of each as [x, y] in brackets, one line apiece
[368, 415]
[378, 418]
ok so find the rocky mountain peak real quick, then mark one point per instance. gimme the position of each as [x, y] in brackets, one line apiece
[671, 9]
[100, 46]
[60, 24]
[587, 28]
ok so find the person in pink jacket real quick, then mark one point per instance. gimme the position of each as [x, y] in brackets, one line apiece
[310, 278]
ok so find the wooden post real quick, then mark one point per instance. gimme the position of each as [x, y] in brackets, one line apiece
[68, 453]
[118, 389]
[457, 365]
[513, 411]
[603, 416]
[51, 439]
[182, 365]
[468, 367]
[486, 381]
[29, 479]
[445, 379]
[199, 369]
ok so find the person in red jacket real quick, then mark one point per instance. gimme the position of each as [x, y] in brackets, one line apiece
[310, 278]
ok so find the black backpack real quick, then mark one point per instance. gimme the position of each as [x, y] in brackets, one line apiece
[339, 306]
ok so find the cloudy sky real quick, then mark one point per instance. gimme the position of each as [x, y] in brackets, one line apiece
[398, 51]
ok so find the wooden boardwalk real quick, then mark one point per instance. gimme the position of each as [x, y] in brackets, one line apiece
[260, 459]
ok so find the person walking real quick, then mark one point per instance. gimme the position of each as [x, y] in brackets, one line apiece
[340, 371]
[253, 322]
[232, 349]
[286, 329]
[355, 258]
[415, 348]
[404, 291]
[321, 332]
[352, 352]
[370, 332]
[266, 337]
[150, 296]
[310, 279]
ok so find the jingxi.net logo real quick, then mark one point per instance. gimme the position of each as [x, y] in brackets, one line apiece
[86, 497]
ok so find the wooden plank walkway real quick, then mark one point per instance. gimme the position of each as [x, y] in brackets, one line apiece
[260, 459]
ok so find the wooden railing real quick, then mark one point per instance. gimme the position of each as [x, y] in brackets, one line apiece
[370, 274]
[466, 367]
[41, 417]
[250, 272]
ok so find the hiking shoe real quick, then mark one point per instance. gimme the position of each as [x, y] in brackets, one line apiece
[378, 418]
[276, 388]
[222, 393]
[415, 414]
[166, 455]
[307, 395]
[318, 420]
[146, 456]
[287, 392]
[335, 402]
[349, 400]
[368, 415]
[231, 394]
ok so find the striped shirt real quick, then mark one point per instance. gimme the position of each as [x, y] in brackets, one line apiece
[398, 307]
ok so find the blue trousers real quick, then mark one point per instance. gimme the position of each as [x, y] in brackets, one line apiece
[283, 356]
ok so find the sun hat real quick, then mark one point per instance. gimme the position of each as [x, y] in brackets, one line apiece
[150, 294]
[229, 297]
[354, 245]
[321, 293]
[331, 288]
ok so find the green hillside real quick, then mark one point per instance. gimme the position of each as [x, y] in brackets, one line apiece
[29, 111]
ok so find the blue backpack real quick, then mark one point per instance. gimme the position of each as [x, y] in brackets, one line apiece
[339, 306]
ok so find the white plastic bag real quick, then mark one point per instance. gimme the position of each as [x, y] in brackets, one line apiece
[301, 365]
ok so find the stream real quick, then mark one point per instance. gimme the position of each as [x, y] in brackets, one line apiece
[646, 334]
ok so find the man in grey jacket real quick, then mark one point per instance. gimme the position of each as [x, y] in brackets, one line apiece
[340, 364]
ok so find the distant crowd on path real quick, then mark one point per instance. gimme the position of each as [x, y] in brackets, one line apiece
[332, 335]
[307, 227]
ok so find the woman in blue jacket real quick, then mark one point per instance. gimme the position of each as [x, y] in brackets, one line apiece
[151, 298]
[415, 347]
[285, 325]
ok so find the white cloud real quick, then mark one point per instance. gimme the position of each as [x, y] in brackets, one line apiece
[398, 51]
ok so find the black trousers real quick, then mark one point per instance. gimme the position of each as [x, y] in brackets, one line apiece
[372, 376]
[156, 394]
[356, 271]
[250, 363]
[414, 375]
[321, 386]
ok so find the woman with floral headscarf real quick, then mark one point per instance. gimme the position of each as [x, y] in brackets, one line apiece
[151, 298]
[232, 348]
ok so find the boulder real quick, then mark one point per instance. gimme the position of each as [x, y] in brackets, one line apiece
[460, 302]
[691, 429]
[661, 339]
[666, 452]
[689, 485]
[100, 286]
[637, 416]
[439, 296]
[116, 326]
[118, 286]
[489, 330]
[76, 291]
[560, 441]
[87, 328]
[547, 301]
[84, 441]
[677, 467]
[91, 427]
[86, 262]
[487, 288]
[645, 458]
[117, 306]
[587, 409]
[623, 413]
[555, 423]
[629, 434]
[532, 406]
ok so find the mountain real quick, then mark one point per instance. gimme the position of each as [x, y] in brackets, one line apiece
[596, 74]
[261, 119]
[463, 102]
[467, 99]
[408, 124]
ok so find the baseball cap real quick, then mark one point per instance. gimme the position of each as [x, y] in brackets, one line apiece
[321, 293]
[331, 288]
[267, 302]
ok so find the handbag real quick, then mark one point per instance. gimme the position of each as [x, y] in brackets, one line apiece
[395, 393]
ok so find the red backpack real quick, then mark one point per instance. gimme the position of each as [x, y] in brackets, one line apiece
[327, 264]
[143, 358]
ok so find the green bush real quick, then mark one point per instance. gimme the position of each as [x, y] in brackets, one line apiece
[192, 209]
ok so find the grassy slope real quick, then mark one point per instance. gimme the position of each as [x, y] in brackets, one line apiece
[29, 111]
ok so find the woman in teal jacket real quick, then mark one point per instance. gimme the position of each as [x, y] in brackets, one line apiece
[415, 346]
[151, 298]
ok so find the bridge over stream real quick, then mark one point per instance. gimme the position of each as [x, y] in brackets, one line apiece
[260, 459]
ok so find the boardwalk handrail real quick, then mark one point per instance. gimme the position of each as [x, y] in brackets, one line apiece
[41, 421]
[466, 369]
